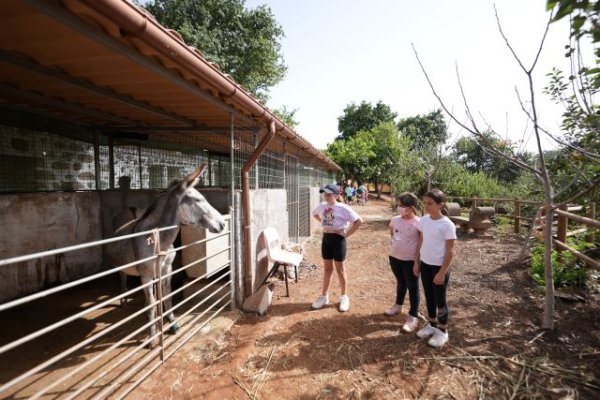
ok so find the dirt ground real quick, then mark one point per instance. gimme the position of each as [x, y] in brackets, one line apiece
[496, 348]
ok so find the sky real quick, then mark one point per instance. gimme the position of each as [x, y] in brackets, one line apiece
[343, 51]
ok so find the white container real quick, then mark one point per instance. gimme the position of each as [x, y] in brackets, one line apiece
[190, 234]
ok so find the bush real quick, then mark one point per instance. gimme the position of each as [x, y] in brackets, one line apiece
[568, 271]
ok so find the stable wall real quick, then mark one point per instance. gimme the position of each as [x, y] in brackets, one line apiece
[268, 210]
[34, 222]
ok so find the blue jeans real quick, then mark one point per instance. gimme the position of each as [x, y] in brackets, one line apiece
[406, 280]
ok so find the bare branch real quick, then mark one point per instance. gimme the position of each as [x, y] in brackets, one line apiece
[507, 42]
[537, 56]
[592, 156]
[487, 142]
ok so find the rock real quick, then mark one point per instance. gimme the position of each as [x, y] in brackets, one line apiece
[260, 301]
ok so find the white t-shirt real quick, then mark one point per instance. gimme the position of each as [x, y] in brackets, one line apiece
[435, 233]
[335, 217]
[405, 238]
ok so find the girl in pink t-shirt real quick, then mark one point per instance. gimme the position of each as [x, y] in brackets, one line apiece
[403, 253]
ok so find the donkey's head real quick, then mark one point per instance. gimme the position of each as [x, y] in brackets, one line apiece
[193, 207]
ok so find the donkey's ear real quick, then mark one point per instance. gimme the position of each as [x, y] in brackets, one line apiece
[192, 178]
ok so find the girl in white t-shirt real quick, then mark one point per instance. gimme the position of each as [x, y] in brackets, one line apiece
[338, 221]
[403, 253]
[438, 234]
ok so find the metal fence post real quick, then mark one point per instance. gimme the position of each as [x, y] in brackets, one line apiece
[160, 257]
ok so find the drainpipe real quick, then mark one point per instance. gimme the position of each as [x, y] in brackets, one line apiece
[248, 272]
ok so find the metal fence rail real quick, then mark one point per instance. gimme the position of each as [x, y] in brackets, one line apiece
[113, 360]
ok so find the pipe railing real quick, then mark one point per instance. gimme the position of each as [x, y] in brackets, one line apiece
[186, 322]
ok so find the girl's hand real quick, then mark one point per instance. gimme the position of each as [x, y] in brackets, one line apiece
[439, 278]
[341, 232]
[416, 269]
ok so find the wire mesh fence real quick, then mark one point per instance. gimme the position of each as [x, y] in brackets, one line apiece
[291, 186]
[37, 161]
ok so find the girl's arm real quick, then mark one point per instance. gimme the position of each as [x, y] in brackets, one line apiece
[417, 264]
[317, 217]
[440, 277]
[353, 228]
[391, 232]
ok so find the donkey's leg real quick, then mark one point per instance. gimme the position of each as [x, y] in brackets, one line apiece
[149, 294]
[166, 289]
[123, 287]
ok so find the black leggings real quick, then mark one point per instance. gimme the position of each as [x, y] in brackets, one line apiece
[406, 279]
[435, 295]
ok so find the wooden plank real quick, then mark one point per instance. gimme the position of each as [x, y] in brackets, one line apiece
[588, 260]
[577, 232]
[582, 220]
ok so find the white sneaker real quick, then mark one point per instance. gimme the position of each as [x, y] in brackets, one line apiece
[344, 303]
[411, 324]
[438, 339]
[320, 302]
[426, 331]
[393, 310]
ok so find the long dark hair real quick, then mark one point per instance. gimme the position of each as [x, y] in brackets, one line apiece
[408, 200]
[439, 197]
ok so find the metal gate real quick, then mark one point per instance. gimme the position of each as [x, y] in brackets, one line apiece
[291, 188]
[110, 357]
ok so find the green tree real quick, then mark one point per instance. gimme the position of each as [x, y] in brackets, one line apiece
[377, 155]
[287, 116]
[425, 129]
[245, 43]
[363, 117]
[471, 153]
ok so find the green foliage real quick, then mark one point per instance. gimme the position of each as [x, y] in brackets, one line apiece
[244, 43]
[455, 180]
[568, 271]
[363, 117]
[426, 129]
[470, 153]
[287, 116]
[585, 24]
[576, 92]
[371, 155]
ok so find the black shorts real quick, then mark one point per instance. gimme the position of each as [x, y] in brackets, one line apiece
[333, 247]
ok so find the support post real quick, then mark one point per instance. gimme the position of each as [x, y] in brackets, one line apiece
[591, 236]
[140, 168]
[111, 163]
[517, 216]
[563, 223]
[97, 171]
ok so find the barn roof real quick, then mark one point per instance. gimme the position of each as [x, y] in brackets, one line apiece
[108, 65]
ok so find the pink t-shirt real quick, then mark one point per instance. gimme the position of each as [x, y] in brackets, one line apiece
[405, 238]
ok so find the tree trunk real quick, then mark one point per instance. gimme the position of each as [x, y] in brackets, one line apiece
[428, 182]
[548, 321]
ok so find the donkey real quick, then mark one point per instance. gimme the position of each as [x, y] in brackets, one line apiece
[180, 204]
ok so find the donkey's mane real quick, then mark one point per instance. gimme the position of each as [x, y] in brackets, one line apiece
[152, 207]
